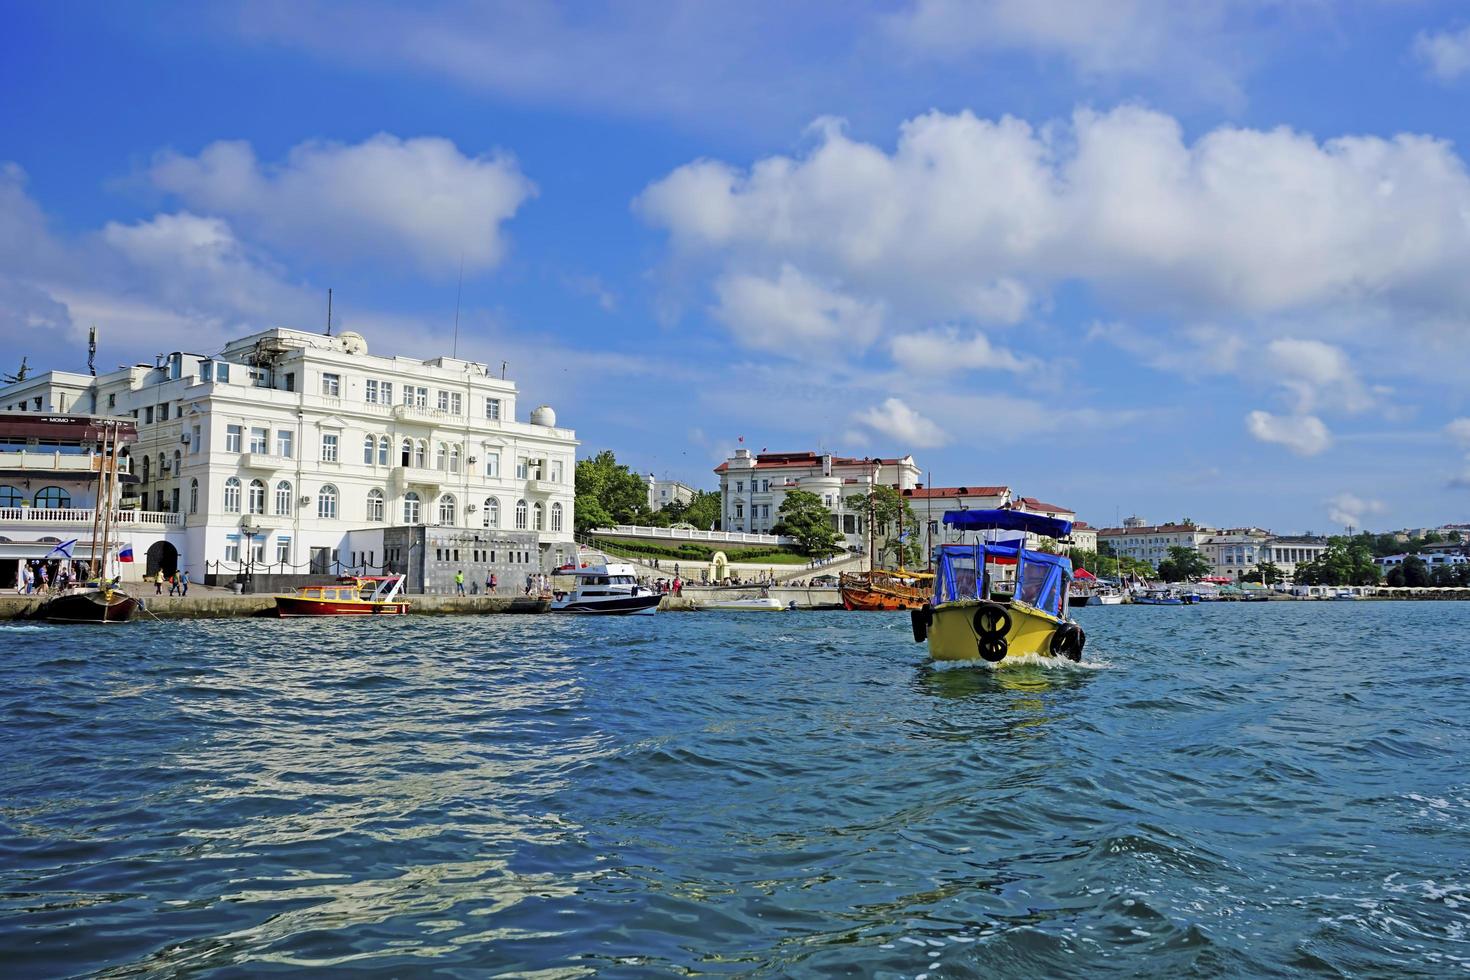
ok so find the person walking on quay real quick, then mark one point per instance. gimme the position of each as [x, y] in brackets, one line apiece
[173, 584]
[23, 584]
[183, 581]
[45, 579]
[459, 582]
[492, 583]
[158, 582]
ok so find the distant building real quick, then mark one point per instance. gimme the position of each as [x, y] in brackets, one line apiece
[1286, 553]
[752, 487]
[1084, 536]
[1151, 542]
[1234, 552]
[661, 493]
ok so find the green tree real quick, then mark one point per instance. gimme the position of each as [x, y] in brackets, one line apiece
[609, 493]
[1267, 573]
[890, 509]
[804, 517]
[704, 511]
[1442, 575]
[1183, 564]
[1416, 571]
[1395, 576]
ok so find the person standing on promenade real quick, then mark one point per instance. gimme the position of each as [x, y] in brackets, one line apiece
[184, 581]
[173, 584]
[492, 583]
[459, 582]
[158, 582]
[45, 578]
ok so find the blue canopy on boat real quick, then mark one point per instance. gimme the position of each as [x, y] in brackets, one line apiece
[1008, 520]
[1041, 578]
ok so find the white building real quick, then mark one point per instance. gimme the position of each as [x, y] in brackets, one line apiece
[1151, 542]
[292, 451]
[752, 487]
[1289, 552]
[1232, 553]
[661, 493]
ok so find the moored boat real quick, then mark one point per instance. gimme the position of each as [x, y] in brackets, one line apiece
[964, 623]
[1157, 597]
[361, 595]
[751, 604]
[606, 589]
[91, 605]
[883, 590]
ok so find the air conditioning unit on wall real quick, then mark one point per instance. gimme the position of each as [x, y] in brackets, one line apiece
[305, 501]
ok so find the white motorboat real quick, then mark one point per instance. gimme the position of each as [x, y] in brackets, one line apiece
[752, 604]
[606, 589]
[1108, 598]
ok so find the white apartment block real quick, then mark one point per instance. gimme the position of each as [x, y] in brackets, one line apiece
[661, 493]
[1235, 552]
[293, 451]
[1151, 542]
[753, 486]
[1286, 553]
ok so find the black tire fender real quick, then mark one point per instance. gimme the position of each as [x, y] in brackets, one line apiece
[991, 619]
[921, 619]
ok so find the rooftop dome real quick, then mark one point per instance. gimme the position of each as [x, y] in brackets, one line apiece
[353, 342]
[543, 415]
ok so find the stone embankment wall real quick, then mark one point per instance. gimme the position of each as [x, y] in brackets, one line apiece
[221, 605]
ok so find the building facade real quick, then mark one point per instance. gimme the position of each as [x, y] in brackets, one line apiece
[1151, 542]
[291, 452]
[1286, 553]
[752, 487]
[1234, 552]
[661, 493]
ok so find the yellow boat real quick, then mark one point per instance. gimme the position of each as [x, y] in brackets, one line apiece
[964, 622]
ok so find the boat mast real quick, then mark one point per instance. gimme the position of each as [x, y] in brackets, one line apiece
[97, 501]
[109, 464]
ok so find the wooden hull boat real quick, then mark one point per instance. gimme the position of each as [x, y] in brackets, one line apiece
[91, 606]
[881, 591]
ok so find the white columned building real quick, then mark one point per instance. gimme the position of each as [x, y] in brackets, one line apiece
[291, 451]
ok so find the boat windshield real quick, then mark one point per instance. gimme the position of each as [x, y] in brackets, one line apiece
[958, 576]
[1041, 586]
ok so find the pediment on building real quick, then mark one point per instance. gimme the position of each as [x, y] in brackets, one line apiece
[331, 422]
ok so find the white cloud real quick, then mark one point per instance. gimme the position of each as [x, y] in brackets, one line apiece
[1459, 430]
[1316, 374]
[905, 426]
[1349, 509]
[1305, 435]
[1446, 54]
[794, 314]
[388, 198]
[945, 350]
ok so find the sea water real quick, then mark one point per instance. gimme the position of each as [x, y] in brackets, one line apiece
[1220, 790]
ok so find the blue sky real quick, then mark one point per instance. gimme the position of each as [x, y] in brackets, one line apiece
[1204, 259]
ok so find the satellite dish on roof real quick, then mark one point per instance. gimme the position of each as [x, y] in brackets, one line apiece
[353, 342]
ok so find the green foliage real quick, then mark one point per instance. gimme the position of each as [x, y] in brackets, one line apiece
[609, 493]
[1267, 573]
[889, 510]
[1347, 561]
[805, 518]
[1416, 571]
[1183, 564]
[703, 512]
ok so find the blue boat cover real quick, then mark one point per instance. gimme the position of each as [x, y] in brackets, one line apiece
[1008, 520]
[1042, 577]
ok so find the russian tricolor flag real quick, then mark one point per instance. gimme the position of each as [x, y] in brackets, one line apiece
[126, 554]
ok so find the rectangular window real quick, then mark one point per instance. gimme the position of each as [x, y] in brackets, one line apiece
[420, 396]
[148, 414]
[163, 412]
[523, 468]
[492, 409]
[370, 391]
[232, 548]
[456, 403]
[112, 400]
[222, 372]
[386, 389]
[556, 472]
[233, 434]
[332, 385]
[329, 447]
[259, 439]
[443, 401]
[739, 486]
[492, 464]
[290, 381]
[206, 370]
[285, 443]
[194, 440]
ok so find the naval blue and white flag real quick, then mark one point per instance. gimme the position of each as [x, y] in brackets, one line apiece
[63, 549]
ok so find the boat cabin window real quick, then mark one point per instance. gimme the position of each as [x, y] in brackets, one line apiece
[622, 580]
[312, 593]
[958, 578]
[1040, 586]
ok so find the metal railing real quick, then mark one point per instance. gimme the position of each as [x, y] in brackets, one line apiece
[689, 534]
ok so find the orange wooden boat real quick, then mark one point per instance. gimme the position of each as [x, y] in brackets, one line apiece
[360, 595]
[884, 591]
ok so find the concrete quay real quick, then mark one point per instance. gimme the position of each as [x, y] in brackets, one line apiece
[220, 604]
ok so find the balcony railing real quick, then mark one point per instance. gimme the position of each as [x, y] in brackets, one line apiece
[83, 516]
[56, 462]
[686, 534]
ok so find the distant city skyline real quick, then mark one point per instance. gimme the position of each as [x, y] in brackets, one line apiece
[1202, 260]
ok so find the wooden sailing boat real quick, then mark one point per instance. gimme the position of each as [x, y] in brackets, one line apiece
[99, 601]
[882, 589]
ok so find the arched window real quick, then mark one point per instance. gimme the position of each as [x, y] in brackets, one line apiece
[193, 496]
[283, 498]
[147, 463]
[257, 497]
[326, 502]
[446, 510]
[375, 505]
[556, 517]
[384, 448]
[11, 497]
[492, 511]
[411, 508]
[537, 516]
[406, 453]
[441, 457]
[368, 445]
[421, 454]
[454, 458]
[53, 498]
[520, 515]
[232, 492]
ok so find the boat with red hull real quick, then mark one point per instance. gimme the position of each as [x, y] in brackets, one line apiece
[360, 595]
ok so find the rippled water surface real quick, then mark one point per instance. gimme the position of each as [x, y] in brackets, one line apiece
[1271, 789]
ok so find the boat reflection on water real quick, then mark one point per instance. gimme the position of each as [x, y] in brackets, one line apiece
[1013, 701]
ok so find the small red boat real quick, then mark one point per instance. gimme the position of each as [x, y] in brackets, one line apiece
[358, 595]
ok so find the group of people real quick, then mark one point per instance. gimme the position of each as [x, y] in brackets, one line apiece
[492, 583]
[669, 586]
[36, 576]
[178, 582]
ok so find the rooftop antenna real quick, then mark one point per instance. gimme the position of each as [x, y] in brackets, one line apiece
[458, 292]
[502, 369]
[329, 311]
[92, 351]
